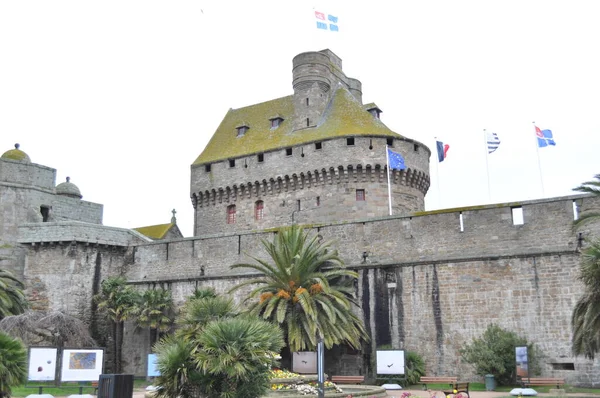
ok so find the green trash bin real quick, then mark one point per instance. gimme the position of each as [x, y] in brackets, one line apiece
[490, 382]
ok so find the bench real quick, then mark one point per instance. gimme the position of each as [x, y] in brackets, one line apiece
[454, 387]
[347, 379]
[542, 381]
[436, 380]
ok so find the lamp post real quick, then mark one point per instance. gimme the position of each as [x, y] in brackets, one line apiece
[321, 366]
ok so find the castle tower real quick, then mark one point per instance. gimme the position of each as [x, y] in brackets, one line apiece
[317, 155]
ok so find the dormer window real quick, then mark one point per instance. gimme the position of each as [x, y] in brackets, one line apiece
[375, 112]
[276, 122]
[241, 130]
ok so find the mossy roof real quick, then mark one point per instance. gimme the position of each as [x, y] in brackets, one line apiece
[344, 116]
[16, 154]
[155, 231]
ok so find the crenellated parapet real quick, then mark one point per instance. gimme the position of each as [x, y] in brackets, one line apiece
[274, 186]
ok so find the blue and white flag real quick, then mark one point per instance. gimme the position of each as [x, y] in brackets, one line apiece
[493, 142]
[544, 137]
[396, 161]
[327, 21]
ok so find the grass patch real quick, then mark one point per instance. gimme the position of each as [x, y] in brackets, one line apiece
[539, 389]
[65, 389]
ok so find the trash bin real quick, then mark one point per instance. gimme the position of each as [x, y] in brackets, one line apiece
[490, 382]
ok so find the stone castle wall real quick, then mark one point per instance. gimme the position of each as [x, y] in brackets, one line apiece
[425, 286]
[323, 180]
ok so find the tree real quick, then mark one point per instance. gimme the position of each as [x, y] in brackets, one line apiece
[118, 302]
[155, 312]
[307, 290]
[494, 353]
[13, 366]
[216, 353]
[591, 187]
[585, 319]
[12, 298]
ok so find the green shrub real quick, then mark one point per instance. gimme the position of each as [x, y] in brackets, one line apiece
[494, 353]
[13, 364]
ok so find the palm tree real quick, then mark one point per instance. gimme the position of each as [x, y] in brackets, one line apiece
[13, 366]
[197, 312]
[226, 356]
[235, 355]
[586, 315]
[119, 302]
[307, 290]
[591, 187]
[12, 299]
[155, 312]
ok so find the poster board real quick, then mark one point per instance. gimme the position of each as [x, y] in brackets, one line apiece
[304, 362]
[522, 360]
[390, 362]
[79, 364]
[42, 363]
[152, 366]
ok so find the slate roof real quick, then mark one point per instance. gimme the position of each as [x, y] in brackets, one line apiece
[344, 116]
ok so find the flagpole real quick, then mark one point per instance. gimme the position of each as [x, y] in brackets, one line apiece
[437, 172]
[487, 167]
[387, 165]
[537, 149]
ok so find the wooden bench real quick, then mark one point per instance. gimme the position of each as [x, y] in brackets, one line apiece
[454, 387]
[542, 381]
[436, 380]
[348, 379]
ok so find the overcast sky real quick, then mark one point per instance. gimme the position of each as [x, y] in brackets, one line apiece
[122, 96]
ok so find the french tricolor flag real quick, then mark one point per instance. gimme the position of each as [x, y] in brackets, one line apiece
[442, 150]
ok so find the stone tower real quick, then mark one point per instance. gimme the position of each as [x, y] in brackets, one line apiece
[315, 156]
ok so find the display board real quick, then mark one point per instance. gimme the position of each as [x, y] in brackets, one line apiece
[522, 362]
[42, 363]
[390, 362]
[304, 362]
[79, 364]
[152, 366]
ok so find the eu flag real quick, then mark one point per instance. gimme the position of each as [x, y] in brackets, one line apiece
[396, 161]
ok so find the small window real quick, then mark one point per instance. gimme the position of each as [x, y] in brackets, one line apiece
[390, 142]
[242, 130]
[231, 214]
[517, 215]
[575, 210]
[261, 157]
[350, 141]
[307, 102]
[276, 122]
[231, 162]
[45, 210]
[416, 147]
[461, 221]
[298, 205]
[360, 195]
[259, 210]
[207, 168]
[318, 201]
[307, 122]
[288, 151]
[563, 366]
[318, 145]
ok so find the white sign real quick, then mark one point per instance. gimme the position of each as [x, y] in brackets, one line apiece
[152, 366]
[81, 364]
[304, 362]
[390, 362]
[42, 363]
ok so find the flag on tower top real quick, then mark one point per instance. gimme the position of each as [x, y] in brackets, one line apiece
[327, 21]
